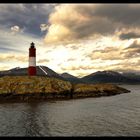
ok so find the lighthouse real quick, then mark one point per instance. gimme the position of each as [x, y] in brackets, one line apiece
[32, 60]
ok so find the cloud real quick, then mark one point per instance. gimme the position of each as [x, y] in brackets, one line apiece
[138, 62]
[74, 47]
[107, 50]
[14, 50]
[133, 50]
[43, 60]
[68, 23]
[130, 35]
[71, 59]
[16, 29]
[4, 67]
[18, 43]
[131, 54]
[126, 14]
[6, 49]
[11, 58]
[109, 53]
[44, 27]
[26, 16]
[134, 45]
[71, 67]
[78, 21]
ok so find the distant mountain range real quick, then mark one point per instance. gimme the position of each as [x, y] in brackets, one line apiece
[112, 77]
[97, 77]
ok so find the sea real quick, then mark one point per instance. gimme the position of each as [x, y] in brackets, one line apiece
[117, 115]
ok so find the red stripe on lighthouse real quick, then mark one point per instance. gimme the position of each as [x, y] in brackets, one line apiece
[32, 60]
[32, 52]
[32, 71]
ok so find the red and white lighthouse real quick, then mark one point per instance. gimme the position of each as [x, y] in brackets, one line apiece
[32, 60]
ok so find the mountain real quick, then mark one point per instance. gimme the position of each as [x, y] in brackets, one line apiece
[14, 72]
[41, 71]
[71, 78]
[110, 77]
[132, 75]
[97, 77]
[45, 71]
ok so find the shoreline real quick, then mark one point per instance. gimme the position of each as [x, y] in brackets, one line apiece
[24, 98]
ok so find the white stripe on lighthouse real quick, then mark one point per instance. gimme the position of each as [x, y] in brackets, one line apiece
[32, 61]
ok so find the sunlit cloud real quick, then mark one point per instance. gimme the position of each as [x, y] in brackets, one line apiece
[15, 29]
[44, 27]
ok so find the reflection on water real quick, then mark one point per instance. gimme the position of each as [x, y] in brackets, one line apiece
[30, 120]
[106, 116]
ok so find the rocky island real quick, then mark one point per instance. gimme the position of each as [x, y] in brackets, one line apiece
[34, 88]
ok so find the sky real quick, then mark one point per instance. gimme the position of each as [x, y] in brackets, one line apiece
[76, 38]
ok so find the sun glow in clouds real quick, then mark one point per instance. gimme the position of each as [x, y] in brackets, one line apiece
[59, 55]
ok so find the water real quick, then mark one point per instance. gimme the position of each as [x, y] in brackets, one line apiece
[106, 116]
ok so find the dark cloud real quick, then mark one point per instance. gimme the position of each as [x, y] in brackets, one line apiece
[83, 21]
[26, 16]
[94, 26]
[130, 35]
[125, 14]
[76, 25]
[128, 14]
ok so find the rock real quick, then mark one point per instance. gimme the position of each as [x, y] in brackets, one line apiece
[33, 84]
[38, 87]
[96, 90]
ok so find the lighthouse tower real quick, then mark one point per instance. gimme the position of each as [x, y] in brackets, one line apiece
[32, 60]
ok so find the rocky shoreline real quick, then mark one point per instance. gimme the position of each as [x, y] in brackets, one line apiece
[38, 88]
